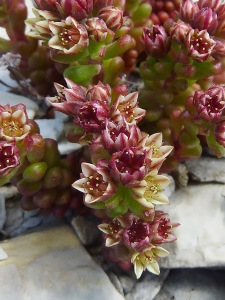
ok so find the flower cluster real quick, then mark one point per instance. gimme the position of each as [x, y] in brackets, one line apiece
[183, 74]
[123, 177]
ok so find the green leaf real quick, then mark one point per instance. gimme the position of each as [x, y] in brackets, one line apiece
[82, 75]
[63, 58]
[213, 145]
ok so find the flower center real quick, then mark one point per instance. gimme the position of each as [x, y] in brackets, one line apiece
[7, 158]
[96, 185]
[69, 38]
[12, 128]
[138, 231]
[114, 227]
[199, 44]
[214, 104]
[131, 160]
[163, 228]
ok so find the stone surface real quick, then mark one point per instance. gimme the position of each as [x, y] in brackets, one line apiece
[148, 287]
[116, 282]
[51, 128]
[8, 191]
[207, 169]
[3, 255]
[127, 283]
[2, 211]
[200, 209]
[66, 147]
[193, 284]
[51, 264]
[87, 231]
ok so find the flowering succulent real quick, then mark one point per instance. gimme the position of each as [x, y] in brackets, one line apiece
[210, 104]
[68, 36]
[13, 123]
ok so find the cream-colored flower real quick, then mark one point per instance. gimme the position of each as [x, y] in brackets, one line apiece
[147, 260]
[69, 36]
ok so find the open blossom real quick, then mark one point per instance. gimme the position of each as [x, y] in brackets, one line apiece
[127, 107]
[154, 188]
[68, 100]
[210, 104]
[113, 231]
[13, 122]
[68, 36]
[137, 234]
[163, 228]
[96, 183]
[199, 44]
[159, 152]
[148, 260]
[129, 165]
[92, 116]
[9, 157]
[156, 41]
[39, 26]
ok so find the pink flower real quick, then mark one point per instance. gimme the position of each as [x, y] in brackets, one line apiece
[70, 99]
[68, 36]
[210, 104]
[206, 18]
[188, 10]
[179, 31]
[156, 41]
[163, 228]
[96, 183]
[129, 165]
[78, 9]
[9, 158]
[113, 231]
[199, 44]
[92, 116]
[13, 122]
[137, 234]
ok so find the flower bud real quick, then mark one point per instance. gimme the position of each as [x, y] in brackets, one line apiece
[112, 16]
[97, 29]
[46, 5]
[179, 31]
[100, 92]
[156, 41]
[206, 18]
[78, 9]
[188, 10]
[210, 104]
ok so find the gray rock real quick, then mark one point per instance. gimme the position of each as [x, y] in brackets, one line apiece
[14, 229]
[2, 211]
[86, 230]
[180, 175]
[31, 213]
[8, 191]
[52, 265]
[116, 282]
[31, 222]
[127, 283]
[3, 255]
[51, 128]
[13, 213]
[193, 284]
[207, 169]
[200, 209]
[66, 147]
[148, 287]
